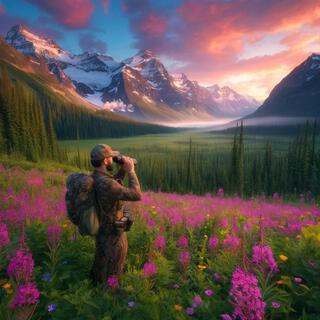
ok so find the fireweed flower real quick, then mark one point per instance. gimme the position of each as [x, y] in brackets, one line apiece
[226, 317]
[20, 266]
[113, 282]
[246, 296]
[54, 234]
[184, 258]
[231, 243]
[182, 241]
[176, 286]
[26, 294]
[213, 244]
[262, 255]
[297, 280]
[160, 243]
[149, 269]
[4, 236]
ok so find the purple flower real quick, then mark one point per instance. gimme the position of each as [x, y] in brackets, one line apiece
[182, 241]
[189, 311]
[226, 317]
[160, 243]
[26, 294]
[46, 277]
[149, 269]
[263, 256]
[246, 296]
[197, 300]
[4, 236]
[216, 276]
[194, 305]
[176, 286]
[113, 282]
[52, 307]
[131, 304]
[54, 234]
[208, 292]
[275, 305]
[20, 266]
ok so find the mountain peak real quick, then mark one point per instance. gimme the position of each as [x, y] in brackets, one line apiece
[145, 54]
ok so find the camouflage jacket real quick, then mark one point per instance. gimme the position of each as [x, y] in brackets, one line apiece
[111, 193]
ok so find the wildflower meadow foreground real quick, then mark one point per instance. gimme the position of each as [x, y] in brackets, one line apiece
[202, 257]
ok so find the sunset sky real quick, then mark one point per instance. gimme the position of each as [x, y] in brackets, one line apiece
[249, 45]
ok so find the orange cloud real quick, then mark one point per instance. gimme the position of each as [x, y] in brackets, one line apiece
[210, 38]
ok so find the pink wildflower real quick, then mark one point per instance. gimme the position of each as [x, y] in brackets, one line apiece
[182, 241]
[263, 256]
[149, 269]
[26, 294]
[4, 236]
[160, 243]
[54, 234]
[231, 243]
[213, 244]
[20, 266]
[113, 282]
[246, 296]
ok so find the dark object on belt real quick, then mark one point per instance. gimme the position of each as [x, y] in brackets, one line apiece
[125, 223]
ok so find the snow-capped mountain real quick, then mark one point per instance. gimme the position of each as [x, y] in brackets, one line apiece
[297, 94]
[140, 86]
[232, 103]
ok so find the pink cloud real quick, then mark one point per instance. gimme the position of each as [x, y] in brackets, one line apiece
[71, 13]
[209, 37]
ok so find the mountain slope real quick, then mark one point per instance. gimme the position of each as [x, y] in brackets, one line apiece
[139, 87]
[71, 113]
[296, 95]
[231, 103]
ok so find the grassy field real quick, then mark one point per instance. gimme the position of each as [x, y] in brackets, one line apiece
[179, 142]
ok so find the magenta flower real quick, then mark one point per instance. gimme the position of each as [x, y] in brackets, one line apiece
[149, 269]
[231, 243]
[297, 280]
[113, 282]
[54, 234]
[208, 292]
[275, 305]
[20, 266]
[246, 296]
[197, 300]
[213, 244]
[226, 317]
[263, 256]
[35, 182]
[4, 236]
[182, 242]
[160, 243]
[184, 258]
[26, 294]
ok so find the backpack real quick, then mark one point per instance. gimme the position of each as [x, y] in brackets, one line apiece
[82, 204]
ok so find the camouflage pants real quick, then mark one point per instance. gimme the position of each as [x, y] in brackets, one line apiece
[110, 256]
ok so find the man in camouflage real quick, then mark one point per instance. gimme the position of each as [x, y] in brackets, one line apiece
[111, 244]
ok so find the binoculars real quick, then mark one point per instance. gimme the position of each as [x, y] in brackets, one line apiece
[119, 160]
